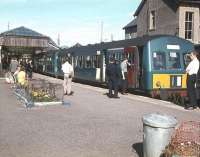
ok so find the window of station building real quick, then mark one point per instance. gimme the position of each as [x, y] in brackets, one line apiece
[152, 20]
[174, 60]
[189, 18]
[159, 61]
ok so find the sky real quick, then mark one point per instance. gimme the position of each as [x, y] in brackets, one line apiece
[75, 21]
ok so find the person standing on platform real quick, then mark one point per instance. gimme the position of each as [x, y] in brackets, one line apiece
[113, 73]
[29, 69]
[21, 77]
[124, 67]
[192, 70]
[13, 65]
[68, 71]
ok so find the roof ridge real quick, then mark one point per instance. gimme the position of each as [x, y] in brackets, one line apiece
[22, 31]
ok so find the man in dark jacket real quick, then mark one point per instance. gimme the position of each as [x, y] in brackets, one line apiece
[113, 73]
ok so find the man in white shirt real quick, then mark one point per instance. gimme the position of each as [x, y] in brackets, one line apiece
[192, 70]
[124, 69]
[68, 71]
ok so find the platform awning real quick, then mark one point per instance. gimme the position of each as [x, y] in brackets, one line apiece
[24, 37]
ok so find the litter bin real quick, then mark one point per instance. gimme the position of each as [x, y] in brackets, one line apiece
[157, 131]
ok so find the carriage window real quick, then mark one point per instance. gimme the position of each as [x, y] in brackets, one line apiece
[174, 60]
[159, 61]
[80, 62]
[88, 62]
[186, 59]
[95, 61]
[76, 62]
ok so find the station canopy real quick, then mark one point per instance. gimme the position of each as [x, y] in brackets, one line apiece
[23, 42]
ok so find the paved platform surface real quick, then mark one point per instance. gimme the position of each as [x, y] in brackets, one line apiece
[92, 126]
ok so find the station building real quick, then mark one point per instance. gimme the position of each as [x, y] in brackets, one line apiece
[23, 43]
[173, 17]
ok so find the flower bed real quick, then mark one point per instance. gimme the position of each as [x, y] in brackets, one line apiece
[40, 93]
[185, 142]
[42, 96]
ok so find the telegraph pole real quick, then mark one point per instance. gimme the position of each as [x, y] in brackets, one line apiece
[58, 41]
[101, 40]
[8, 26]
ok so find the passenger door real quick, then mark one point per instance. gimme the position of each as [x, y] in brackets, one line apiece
[132, 54]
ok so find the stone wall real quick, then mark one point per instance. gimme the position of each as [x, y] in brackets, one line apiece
[166, 19]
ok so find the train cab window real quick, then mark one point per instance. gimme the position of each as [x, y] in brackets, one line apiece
[186, 59]
[174, 61]
[159, 62]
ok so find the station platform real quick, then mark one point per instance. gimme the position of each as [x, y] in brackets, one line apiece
[93, 125]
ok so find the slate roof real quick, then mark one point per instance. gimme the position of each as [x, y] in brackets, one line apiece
[176, 2]
[133, 23]
[23, 32]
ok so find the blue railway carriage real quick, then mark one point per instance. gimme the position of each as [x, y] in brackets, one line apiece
[157, 63]
[49, 63]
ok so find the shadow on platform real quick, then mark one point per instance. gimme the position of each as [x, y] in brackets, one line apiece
[138, 148]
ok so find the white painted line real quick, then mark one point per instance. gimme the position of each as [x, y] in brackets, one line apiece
[47, 103]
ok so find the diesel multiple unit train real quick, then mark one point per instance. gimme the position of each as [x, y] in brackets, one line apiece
[157, 63]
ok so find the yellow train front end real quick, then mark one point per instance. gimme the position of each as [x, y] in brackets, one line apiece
[169, 86]
[164, 63]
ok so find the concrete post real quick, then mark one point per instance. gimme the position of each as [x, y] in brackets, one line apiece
[1, 71]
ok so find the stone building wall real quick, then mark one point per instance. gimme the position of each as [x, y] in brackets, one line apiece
[196, 25]
[166, 19]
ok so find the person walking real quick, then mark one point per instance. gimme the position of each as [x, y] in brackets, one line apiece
[68, 71]
[113, 73]
[124, 67]
[191, 71]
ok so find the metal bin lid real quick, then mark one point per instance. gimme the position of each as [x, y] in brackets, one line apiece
[159, 120]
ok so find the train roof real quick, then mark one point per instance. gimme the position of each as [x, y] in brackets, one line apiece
[92, 48]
